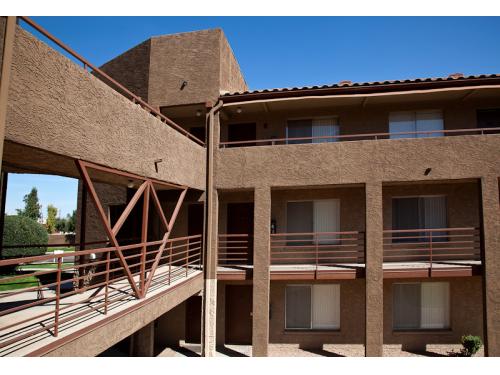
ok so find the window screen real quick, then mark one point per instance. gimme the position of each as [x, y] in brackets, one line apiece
[419, 121]
[313, 306]
[299, 129]
[298, 306]
[421, 306]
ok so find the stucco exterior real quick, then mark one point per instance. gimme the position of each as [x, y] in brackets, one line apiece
[58, 107]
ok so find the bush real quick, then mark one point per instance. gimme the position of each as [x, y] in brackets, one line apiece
[23, 230]
[471, 344]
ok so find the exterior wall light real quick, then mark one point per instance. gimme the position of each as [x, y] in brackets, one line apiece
[130, 184]
[198, 113]
[238, 110]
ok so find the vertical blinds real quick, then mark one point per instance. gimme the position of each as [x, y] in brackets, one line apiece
[314, 216]
[320, 127]
[419, 212]
[313, 306]
[421, 305]
[416, 121]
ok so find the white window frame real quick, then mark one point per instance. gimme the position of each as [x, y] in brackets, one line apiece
[446, 324]
[311, 323]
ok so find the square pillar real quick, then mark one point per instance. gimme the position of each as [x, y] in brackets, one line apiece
[374, 274]
[142, 343]
[490, 204]
[209, 305]
[261, 262]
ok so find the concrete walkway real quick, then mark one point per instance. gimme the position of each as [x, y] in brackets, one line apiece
[78, 311]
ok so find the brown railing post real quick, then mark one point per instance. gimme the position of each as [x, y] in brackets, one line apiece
[58, 295]
[187, 256]
[315, 237]
[170, 264]
[106, 293]
[430, 248]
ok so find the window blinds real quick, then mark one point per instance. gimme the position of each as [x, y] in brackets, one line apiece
[416, 121]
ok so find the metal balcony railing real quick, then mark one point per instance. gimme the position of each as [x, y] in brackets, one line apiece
[318, 249]
[432, 245]
[235, 249]
[74, 284]
[359, 137]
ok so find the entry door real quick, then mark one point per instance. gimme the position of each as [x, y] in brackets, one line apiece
[193, 320]
[239, 314]
[242, 132]
[240, 221]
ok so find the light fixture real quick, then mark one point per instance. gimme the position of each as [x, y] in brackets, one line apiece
[130, 184]
[198, 113]
[427, 171]
[238, 110]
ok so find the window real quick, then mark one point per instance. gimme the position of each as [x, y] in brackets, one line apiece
[488, 118]
[313, 216]
[419, 213]
[312, 306]
[415, 121]
[311, 128]
[421, 306]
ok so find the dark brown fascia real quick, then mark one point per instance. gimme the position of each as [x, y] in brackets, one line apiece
[359, 89]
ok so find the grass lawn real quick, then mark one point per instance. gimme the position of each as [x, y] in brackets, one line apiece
[41, 266]
[21, 283]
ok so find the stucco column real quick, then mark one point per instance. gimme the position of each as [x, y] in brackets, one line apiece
[142, 344]
[491, 266]
[374, 309]
[261, 259]
[8, 24]
[209, 314]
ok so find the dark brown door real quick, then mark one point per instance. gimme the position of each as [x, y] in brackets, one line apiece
[239, 314]
[193, 320]
[242, 132]
[240, 221]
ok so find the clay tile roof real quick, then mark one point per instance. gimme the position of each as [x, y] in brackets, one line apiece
[346, 85]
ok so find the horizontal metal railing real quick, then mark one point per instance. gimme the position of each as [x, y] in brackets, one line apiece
[358, 137]
[235, 249]
[318, 248]
[111, 82]
[432, 245]
[102, 273]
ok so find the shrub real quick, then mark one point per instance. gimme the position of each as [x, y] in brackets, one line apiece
[23, 230]
[471, 344]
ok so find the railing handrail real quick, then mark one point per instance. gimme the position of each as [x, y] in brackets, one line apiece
[124, 91]
[281, 234]
[362, 135]
[36, 258]
[429, 230]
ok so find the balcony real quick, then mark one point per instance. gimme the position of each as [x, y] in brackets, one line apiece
[359, 137]
[74, 290]
[441, 248]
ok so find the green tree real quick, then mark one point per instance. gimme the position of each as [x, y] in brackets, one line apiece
[32, 207]
[51, 218]
[71, 222]
[21, 230]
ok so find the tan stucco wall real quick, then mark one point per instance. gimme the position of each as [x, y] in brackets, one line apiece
[231, 77]
[357, 162]
[56, 106]
[465, 314]
[171, 327]
[131, 69]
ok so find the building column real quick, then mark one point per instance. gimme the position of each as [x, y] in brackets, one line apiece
[490, 204]
[261, 261]
[142, 342]
[6, 49]
[211, 229]
[374, 278]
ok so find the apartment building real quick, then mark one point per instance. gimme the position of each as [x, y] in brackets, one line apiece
[351, 213]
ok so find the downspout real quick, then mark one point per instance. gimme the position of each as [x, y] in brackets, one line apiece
[208, 230]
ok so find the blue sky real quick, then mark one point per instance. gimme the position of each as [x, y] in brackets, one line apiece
[288, 51]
